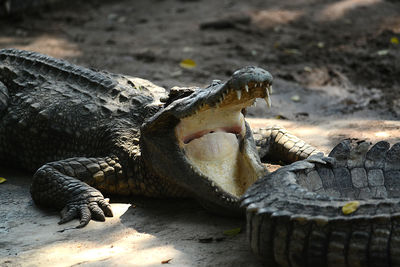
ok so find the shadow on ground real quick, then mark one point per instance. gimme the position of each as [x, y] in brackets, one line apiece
[336, 79]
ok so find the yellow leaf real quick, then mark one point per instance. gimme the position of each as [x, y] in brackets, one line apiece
[188, 63]
[233, 232]
[295, 98]
[2, 180]
[280, 117]
[350, 207]
[394, 40]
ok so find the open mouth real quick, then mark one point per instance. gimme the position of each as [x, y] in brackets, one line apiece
[213, 138]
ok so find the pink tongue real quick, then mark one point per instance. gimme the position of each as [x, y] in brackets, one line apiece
[232, 129]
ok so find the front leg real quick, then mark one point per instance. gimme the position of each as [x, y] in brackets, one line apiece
[66, 185]
[276, 144]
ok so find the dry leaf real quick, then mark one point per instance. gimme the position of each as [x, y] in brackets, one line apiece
[280, 117]
[233, 232]
[292, 51]
[295, 98]
[188, 63]
[350, 207]
[166, 261]
[206, 240]
[394, 40]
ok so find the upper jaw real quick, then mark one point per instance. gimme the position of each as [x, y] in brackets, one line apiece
[241, 89]
[228, 99]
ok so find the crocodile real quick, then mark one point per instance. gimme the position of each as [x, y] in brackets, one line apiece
[340, 210]
[84, 133]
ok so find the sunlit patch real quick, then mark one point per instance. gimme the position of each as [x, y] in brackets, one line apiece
[266, 19]
[46, 44]
[381, 134]
[119, 248]
[338, 9]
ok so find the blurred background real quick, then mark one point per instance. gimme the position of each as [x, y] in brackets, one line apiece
[337, 75]
[330, 59]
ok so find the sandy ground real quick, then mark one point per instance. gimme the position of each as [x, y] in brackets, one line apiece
[138, 235]
[336, 65]
[148, 232]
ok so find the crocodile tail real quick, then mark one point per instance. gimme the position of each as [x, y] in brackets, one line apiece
[342, 213]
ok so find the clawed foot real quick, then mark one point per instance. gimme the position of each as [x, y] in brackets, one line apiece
[320, 158]
[90, 205]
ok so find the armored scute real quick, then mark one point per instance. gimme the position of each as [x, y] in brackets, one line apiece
[86, 133]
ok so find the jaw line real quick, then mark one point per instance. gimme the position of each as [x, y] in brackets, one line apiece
[219, 192]
[252, 82]
[236, 169]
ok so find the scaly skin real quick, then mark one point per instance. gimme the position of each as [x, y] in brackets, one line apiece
[276, 144]
[295, 218]
[86, 133]
[52, 110]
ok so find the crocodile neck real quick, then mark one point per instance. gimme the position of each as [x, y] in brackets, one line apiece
[137, 177]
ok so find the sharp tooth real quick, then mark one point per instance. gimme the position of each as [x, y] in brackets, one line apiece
[268, 101]
[267, 98]
[247, 88]
[270, 89]
[239, 94]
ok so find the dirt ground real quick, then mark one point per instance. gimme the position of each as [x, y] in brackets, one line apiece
[337, 75]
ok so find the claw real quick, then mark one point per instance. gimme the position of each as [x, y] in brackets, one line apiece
[320, 158]
[85, 215]
[68, 214]
[96, 209]
[106, 207]
[97, 213]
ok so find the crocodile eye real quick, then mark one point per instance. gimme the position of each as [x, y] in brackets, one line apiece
[216, 82]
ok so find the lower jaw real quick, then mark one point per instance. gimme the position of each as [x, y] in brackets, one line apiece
[218, 157]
